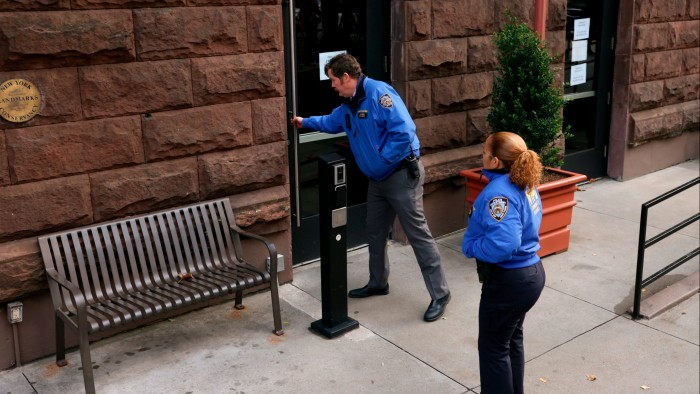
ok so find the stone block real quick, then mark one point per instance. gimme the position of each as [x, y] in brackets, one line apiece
[447, 164]
[166, 33]
[691, 61]
[637, 66]
[21, 269]
[461, 92]
[261, 206]
[33, 40]
[691, 116]
[93, 4]
[521, 10]
[556, 14]
[42, 207]
[681, 89]
[442, 131]
[71, 148]
[418, 98]
[663, 122]
[461, 18]
[196, 130]
[556, 44]
[144, 188]
[694, 9]
[33, 5]
[264, 28]
[134, 88]
[646, 95]
[4, 169]
[651, 37]
[650, 11]
[436, 58]
[481, 54]
[665, 64]
[60, 93]
[684, 34]
[418, 22]
[269, 120]
[233, 2]
[242, 170]
[237, 78]
[477, 126]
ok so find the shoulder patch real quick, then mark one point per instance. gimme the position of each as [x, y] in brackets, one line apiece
[498, 207]
[386, 101]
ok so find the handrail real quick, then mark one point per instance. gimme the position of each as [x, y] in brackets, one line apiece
[644, 243]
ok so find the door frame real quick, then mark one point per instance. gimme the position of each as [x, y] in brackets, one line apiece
[593, 161]
[378, 40]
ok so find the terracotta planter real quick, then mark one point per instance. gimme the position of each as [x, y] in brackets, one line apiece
[557, 206]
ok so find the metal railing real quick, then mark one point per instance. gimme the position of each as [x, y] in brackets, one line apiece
[644, 243]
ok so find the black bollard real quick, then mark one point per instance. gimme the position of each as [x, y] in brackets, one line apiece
[333, 221]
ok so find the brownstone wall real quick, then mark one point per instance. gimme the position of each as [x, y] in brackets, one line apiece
[656, 106]
[443, 62]
[147, 104]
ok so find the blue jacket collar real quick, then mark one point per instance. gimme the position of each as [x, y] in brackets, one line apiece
[492, 174]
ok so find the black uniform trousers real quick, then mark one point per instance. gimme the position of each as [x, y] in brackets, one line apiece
[506, 296]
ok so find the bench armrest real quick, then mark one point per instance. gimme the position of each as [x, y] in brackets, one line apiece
[75, 293]
[271, 248]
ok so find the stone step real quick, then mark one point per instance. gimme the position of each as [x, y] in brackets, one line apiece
[671, 296]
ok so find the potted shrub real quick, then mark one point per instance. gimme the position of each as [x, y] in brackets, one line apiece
[525, 101]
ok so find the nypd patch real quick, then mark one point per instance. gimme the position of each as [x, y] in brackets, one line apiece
[386, 101]
[498, 207]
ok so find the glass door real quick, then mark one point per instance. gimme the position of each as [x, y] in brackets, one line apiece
[315, 30]
[590, 35]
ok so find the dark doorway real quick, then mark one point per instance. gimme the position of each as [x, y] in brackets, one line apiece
[314, 31]
[590, 35]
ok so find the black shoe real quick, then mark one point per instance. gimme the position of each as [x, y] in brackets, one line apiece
[366, 291]
[436, 308]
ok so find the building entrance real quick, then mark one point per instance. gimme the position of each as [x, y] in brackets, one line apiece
[315, 30]
[590, 35]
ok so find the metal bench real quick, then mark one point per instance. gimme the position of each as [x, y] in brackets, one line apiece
[107, 275]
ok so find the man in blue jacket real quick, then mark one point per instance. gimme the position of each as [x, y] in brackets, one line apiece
[383, 141]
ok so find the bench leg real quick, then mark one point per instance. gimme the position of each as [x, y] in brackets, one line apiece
[60, 342]
[274, 294]
[239, 300]
[85, 358]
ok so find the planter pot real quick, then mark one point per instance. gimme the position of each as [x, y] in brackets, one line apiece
[557, 206]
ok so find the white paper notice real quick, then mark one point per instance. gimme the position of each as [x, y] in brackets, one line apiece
[578, 74]
[581, 27]
[323, 57]
[579, 50]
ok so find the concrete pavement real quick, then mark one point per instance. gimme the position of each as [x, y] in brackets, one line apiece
[578, 331]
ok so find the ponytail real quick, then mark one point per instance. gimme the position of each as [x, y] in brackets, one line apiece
[523, 164]
[526, 170]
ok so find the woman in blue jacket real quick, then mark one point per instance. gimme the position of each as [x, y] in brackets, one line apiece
[502, 236]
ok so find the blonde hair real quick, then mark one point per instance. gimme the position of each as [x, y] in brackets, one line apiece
[523, 164]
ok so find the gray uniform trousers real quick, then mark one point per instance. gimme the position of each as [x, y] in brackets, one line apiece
[402, 196]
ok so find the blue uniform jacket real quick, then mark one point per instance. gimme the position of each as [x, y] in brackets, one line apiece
[378, 126]
[504, 224]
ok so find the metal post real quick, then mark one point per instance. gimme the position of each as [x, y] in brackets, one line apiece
[640, 262]
[333, 220]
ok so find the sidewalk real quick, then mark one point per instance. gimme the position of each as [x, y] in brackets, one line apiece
[578, 329]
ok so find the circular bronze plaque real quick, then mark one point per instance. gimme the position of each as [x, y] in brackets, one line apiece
[20, 100]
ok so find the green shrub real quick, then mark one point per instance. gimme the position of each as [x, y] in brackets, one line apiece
[524, 99]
